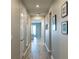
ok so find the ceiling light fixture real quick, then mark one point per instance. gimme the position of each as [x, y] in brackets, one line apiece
[22, 14]
[37, 6]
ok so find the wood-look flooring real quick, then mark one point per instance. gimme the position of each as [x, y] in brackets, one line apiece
[38, 50]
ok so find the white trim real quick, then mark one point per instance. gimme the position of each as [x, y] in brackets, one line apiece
[52, 57]
[47, 48]
[26, 50]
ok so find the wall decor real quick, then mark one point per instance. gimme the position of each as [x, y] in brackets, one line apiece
[64, 9]
[64, 27]
[54, 23]
[46, 26]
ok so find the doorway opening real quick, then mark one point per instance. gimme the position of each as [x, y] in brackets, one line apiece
[36, 29]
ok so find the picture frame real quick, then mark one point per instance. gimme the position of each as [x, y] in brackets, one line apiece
[54, 23]
[46, 26]
[64, 27]
[64, 10]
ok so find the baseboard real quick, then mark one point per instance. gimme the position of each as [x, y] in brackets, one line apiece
[52, 57]
[26, 50]
[47, 48]
[49, 51]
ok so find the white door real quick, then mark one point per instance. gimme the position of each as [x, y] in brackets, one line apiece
[21, 38]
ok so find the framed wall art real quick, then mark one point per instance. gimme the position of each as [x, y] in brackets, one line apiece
[64, 9]
[64, 27]
[54, 23]
[46, 26]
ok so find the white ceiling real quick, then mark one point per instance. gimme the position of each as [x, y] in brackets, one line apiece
[42, 10]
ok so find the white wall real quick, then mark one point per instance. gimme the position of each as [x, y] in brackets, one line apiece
[25, 32]
[59, 41]
[15, 29]
[47, 34]
[20, 30]
[23, 28]
[42, 30]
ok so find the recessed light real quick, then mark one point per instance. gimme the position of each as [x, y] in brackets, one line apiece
[37, 6]
[22, 14]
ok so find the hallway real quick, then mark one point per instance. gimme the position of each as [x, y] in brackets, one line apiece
[38, 50]
[51, 32]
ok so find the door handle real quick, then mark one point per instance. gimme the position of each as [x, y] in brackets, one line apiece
[21, 40]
